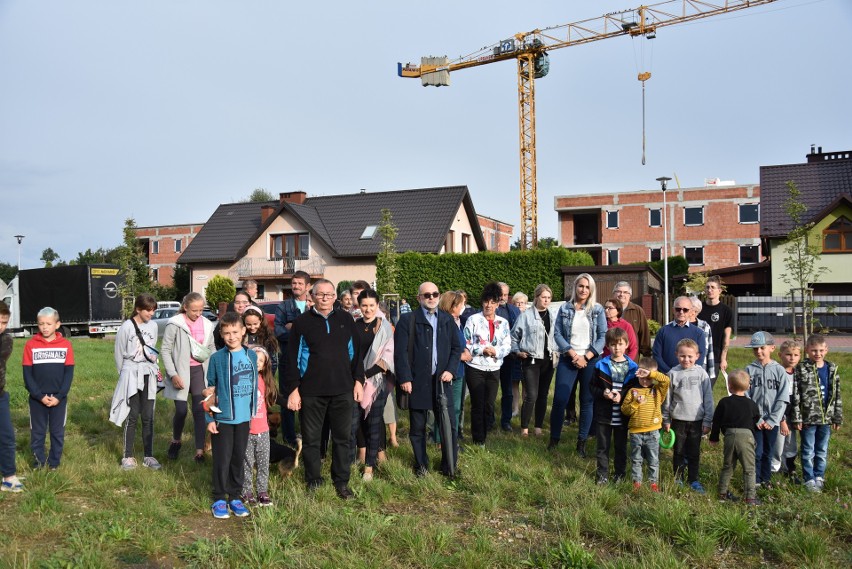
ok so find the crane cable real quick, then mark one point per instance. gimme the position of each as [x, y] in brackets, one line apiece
[643, 76]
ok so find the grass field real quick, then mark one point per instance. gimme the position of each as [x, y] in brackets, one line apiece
[515, 505]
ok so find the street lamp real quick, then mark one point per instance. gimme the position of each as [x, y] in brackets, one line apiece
[663, 180]
[19, 238]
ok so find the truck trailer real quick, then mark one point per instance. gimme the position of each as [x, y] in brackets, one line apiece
[88, 299]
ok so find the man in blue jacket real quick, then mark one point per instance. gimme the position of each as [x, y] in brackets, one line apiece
[426, 360]
[665, 342]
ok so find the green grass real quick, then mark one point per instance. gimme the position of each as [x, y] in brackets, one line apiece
[515, 505]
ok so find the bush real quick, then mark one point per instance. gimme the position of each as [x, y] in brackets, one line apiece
[220, 289]
[521, 270]
[653, 327]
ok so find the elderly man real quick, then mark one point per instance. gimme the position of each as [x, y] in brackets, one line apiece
[324, 379]
[709, 360]
[721, 319]
[426, 356]
[665, 342]
[633, 314]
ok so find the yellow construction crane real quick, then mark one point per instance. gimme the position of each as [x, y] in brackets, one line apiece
[530, 50]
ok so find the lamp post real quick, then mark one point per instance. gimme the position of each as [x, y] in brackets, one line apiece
[663, 180]
[19, 238]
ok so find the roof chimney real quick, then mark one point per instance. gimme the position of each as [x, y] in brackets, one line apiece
[363, 191]
[297, 197]
[265, 212]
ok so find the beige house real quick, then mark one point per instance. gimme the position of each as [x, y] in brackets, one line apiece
[332, 237]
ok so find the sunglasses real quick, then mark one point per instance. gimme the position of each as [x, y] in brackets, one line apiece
[428, 295]
[681, 309]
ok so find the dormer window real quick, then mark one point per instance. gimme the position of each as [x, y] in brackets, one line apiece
[369, 232]
[837, 237]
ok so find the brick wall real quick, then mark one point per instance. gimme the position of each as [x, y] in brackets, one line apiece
[163, 261]
[498, 234]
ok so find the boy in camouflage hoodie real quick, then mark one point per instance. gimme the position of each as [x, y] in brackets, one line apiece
[817, 408]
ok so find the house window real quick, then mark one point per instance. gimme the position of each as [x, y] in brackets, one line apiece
[290, 246]
[612, 220]
[655, 254]
[449, 244]
[465, 243]
[749, 254]
[155, 247]
[694, 255]
[155, 275]
[693, 216]
[655, 218]
[612, 257]
[369, 232]
[750, 213]
[837, 237]
[178, 245]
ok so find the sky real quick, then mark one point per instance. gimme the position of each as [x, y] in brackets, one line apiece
[161, 110]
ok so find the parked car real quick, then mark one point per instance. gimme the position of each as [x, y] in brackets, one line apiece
[168, 304]
[269, 310]
[210, 315]
[162, 316]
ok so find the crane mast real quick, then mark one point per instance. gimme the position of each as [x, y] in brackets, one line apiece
[530, 49]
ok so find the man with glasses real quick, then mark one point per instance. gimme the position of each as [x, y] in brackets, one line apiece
[633, 314]
[665, 342]
[324, 378]
[426, 356]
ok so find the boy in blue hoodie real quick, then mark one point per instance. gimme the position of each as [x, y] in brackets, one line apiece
[232, 378]
[612, 373]
[770, 389]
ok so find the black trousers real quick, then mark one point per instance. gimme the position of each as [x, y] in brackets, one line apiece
[536, 378]
[140, 405]
[482, 386]
[608, 435]
[315, 409]
[417, 432]
[687, 448]
[229, 454]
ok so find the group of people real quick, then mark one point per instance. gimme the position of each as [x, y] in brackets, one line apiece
[341, 365]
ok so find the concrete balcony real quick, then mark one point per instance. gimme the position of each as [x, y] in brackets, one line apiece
[263, 267]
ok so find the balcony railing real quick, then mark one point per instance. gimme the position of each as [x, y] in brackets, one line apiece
[249, 267]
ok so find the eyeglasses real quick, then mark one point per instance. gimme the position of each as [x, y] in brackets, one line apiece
[622, 292]
[610, 308]
[324, 295]
[681, 309]
[428, 295]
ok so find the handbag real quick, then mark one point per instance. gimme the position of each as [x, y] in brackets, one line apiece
[161, 384]
[197, 350]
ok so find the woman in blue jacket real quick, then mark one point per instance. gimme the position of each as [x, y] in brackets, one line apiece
[579, 333]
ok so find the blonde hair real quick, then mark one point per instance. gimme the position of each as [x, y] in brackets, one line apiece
[738, 380]
[593, 297]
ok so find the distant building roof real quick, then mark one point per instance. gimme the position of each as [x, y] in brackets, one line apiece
[422, 216]
[822, 180]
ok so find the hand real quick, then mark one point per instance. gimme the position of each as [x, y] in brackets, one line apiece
[723, 365]
[406, 387]
[358, 391]
[177, 382]
[713, 443]
[580, 362]
[797, 426]
[835, 427]
[206, 392]
[705, 430]
[784, 431]
[642, 372]
[446, 377]
[666, 427]
[489, 351]
[616, 397]
[294, 401]
[213, 428]
[523, 355]
[46, 401]
[466, 357]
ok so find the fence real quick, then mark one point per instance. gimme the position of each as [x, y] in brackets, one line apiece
[775, 314]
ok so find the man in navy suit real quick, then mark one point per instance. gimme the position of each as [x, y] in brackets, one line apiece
[427, 364]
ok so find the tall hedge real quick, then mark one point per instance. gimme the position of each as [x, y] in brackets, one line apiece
[521, 270]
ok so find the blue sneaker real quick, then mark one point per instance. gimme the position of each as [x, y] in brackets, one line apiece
[220, 510]
[239, 509]
[697, 487]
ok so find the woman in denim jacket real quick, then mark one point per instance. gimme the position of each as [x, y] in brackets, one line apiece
[579, 333]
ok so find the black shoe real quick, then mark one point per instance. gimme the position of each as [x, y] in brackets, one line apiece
[36, 465]
[552, 444]
[344, 492]
[420, 471]
[200, 459]
[581, 448]
[174, 449]
[507, 428]
[313, 485]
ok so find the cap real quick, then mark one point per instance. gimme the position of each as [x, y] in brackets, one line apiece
[760, 339]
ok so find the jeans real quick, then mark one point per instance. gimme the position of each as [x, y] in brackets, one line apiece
[45, 419]
[764, 443]
[645, 447]
[7, 438]
[536, 379]
[814, 450]
[566, 376]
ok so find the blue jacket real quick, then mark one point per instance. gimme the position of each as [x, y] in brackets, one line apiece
[529, 334]
[597, 327]
[219, 376]
[418, 371]
[285, 313]
[603, 381]
[665, 344]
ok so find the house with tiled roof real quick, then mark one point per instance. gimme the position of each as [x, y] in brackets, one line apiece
[825, 183]
[333, 237]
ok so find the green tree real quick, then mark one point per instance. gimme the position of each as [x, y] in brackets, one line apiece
[7, 271]
[96, 257]
[801, 261]
[49, 256]
[387, 268]
[220, 289]
[695, 283]
[543, 243]
[261, 195]
[134, 267]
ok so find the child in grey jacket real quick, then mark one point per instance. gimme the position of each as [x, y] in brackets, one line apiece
[770, 389]
[689, 411]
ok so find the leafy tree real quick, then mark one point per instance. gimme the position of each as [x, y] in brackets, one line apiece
[49, 256]
[7, 271]
[543, 243]
[96, 257]
[343, 285]
[261, 195]
[678, 265]
[801, 261]
[131, 260]
[387, 268]
[220, 289]
[695, 283]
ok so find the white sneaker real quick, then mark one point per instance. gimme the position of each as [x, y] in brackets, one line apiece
[128, 463]
[813, 486]
[151, 462]
[820, 482]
